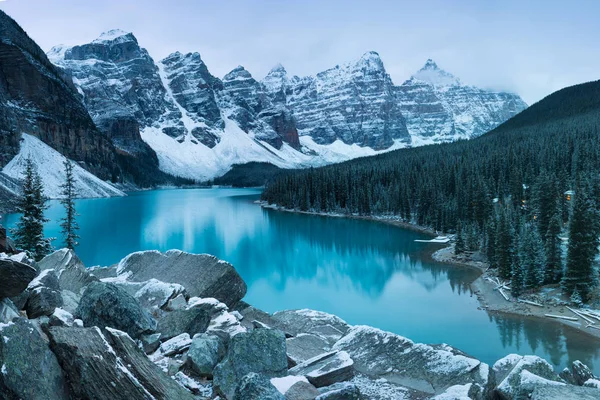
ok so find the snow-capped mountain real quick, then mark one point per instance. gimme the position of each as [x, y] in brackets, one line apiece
[199, 125]
[439, 108]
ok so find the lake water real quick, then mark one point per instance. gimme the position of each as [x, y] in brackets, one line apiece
[365, 272]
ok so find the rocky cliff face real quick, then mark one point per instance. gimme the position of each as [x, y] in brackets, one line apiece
[37, 98]
[439, 108]
[354, 103]
[200, 125]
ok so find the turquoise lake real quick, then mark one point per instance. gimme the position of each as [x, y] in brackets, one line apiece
[368, 273]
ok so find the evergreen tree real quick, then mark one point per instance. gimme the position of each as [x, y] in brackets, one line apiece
[491, 242]
[554, 267]
[504, 247]
[459, 246]
[517, 279]
[531, 256]
[29, 231]
[69, 224]
[583, 247]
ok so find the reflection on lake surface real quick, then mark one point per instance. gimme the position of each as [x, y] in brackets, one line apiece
[365, 272]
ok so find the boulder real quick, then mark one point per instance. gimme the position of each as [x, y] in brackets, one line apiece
[295, 388]
[347, 392]
[109, 367]
[420, 367]
[255, 386]
[261, 351]
[150, 342]
[29, 369]
[225, 325]
[326, 326]
[204, 354]
[306, 346]
[578, 374]
[44, 295]
[106, 305]
[177, 303]
[176, 345]
[15, 277]
[251, 314]
[70, 301]
[71, 272]
[148, 374]
[202, 275]
[61, 317]
[103, 272]
[566, 392]
[154, 294]
[8, 311]
[326, 369]
[518, 375]
[190, 321]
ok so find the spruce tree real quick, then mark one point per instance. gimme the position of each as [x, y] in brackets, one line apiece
[554, 267]
[504, 247]
[459, 246]
[68, 223]
[583, 247]
[29, 231]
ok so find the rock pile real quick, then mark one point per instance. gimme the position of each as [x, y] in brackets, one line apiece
[173, 326]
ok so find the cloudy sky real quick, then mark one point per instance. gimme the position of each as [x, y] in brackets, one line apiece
[530, 47]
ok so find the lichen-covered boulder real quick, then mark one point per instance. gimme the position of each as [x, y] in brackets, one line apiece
[256, 386]
[29, 369]
[202, 275]
[15, 277]
[106, 305]
[261, 351]
[204, 354]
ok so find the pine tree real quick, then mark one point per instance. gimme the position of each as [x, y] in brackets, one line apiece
[459, 246]
[69, 224]
[583, 247]
[504, 247]
[29, 231]
[531, 256]
[517, 279]
[553, 272]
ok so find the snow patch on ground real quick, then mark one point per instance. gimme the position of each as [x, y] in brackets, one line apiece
[49, 165]
[284, 384]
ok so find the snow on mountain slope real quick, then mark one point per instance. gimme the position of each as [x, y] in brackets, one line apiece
[199, 125]
[49, 164]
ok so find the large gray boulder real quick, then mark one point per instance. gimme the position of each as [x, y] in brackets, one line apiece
[326, 369]
[301, 391]
[29, 370]
[72, 274]
[160, 385]
[326, 326]
[261, 351]
[43, 295]
[563, 392]
[428, 369]
[106, 305]
[306, 346]
[204, 354]
[255, 386]
[517, 376]
[153, 294]
[190, 321]
[109, 367]
[202, 275]
[15, 277]
[8, 311]
[578, 374]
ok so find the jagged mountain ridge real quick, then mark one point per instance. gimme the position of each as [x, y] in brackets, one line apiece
[194, 120]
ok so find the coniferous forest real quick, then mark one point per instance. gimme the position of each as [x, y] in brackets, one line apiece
[516, 193]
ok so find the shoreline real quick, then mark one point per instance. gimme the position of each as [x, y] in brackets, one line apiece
[490, 300]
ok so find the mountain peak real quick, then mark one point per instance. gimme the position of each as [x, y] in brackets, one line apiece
[238, 73]
[278, 71]
[432, 74]
[115, 35]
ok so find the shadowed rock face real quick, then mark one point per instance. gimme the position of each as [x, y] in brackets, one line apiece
[15, 277]
[37, 98]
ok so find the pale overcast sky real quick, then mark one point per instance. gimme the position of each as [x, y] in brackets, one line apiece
[530, 47]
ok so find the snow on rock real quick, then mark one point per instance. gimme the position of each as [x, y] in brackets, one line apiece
[49, 165]
[518, 374]
[285, 383]
[457, 392]
[176, 345]
[426, 368]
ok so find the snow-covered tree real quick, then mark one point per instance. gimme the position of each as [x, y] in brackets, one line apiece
[554, 262]
[68, 223]
[29, 231]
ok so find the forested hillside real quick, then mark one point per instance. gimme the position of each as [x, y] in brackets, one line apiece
[503, 192]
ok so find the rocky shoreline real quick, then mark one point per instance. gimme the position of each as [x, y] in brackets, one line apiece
[173, 326]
